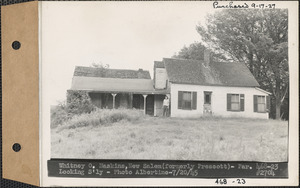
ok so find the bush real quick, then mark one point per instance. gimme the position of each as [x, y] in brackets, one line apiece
[79, 102]
[103, 117]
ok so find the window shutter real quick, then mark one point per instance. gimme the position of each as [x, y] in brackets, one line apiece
[166, 86]
[180, 93]
[194, 101]
[268, 104]
[255, 103]
[228, 102]
[242, 102]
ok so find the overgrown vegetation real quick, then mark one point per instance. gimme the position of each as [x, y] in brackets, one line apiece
[80, 112]
[102, 117]
[131, 135]
[59, 115]
[78, 102]
[79, 130]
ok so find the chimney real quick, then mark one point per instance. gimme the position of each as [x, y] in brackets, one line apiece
[140, 73]
[207, 57]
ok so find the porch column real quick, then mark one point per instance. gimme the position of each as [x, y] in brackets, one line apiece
[145, 96]
[114, 99]
[130, 100]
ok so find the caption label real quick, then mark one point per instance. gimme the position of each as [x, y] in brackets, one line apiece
[164, 169]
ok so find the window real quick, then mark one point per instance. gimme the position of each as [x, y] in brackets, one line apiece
[207, 97]
[187, 100]
[261, 103]
[235, 102]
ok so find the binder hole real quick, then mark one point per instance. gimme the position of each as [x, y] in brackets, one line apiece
[16, 45]
[16, 147]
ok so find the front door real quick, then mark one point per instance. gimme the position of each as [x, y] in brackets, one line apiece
[150, 105]
[207, 103]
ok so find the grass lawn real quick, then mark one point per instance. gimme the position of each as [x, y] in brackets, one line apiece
[175, 139]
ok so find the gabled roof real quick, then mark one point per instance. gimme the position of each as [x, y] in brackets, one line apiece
[186, 71]
[111, 73]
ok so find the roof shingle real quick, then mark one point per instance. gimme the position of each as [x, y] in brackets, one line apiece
[186, 71]
[111, 73]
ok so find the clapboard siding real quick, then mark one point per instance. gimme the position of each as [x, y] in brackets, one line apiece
[218, 101]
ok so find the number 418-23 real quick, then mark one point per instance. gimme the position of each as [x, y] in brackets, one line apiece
[224, 181]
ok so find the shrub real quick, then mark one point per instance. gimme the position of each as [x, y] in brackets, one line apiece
[103, 117]
[79, 102]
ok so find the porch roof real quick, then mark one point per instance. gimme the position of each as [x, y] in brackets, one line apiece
[98, 84]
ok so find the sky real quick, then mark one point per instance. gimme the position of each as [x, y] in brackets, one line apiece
[125, 35]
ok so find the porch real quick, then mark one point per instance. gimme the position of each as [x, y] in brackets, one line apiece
[112, 93]
[151, 104]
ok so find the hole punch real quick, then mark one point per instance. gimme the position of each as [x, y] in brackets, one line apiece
[16, 45]
[16, 147]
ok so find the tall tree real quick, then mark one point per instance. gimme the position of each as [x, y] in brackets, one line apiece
[196, 51]
[193, 51]
[257, 37]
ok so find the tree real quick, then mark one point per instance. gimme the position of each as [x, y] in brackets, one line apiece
[196, 51]
[257, 37]
[101, 69]
[100, 65]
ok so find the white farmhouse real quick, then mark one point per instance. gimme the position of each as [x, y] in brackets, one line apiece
[195, 88]
[211, 88]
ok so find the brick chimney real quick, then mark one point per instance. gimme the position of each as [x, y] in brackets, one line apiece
[207, 57]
